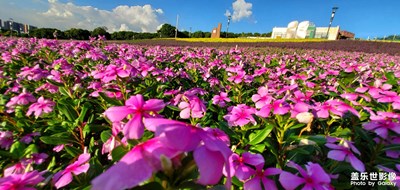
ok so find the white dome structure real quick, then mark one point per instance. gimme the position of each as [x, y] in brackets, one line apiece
[302, 29]
[291, 29]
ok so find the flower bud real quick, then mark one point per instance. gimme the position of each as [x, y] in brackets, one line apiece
[305, 117]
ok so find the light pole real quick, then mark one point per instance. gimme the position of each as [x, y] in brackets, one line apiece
[227, 26]
[11, 26]
[334, 9]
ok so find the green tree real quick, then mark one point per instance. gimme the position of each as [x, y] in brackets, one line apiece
[166, 31]
[102, 31]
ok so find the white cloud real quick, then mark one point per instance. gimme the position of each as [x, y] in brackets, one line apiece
[241, 9]
[68, 15]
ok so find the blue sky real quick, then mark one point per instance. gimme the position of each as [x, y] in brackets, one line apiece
[365, 18]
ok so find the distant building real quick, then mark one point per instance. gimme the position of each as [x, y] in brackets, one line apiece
[1, 24]
[17, 27]
[216, 32]
[307, 29]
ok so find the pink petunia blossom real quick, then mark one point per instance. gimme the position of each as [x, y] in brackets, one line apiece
[221, 99]
[382, 127]
[240, 115]
[204, 144]
[344, 151]
[22, 99]
[261, 177]
[240, 165]
[262, 98]
[64, 177]
[41, 106]
[25, 181]
[6, 139]
[138, 109]
[314, 177]
[194, 108]
[144, 157]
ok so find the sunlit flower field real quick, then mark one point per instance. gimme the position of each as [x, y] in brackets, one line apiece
[98, 115]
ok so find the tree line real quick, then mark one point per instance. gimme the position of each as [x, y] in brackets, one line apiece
[166, 31]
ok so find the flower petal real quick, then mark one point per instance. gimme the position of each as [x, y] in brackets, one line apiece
[210, 172]
[118, 113]
[134, 129]
[290, 181]
[253, 184]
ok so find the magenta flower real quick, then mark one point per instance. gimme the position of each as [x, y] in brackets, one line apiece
[237, 77]
[42, 105]
[382, 127]
[221, 99]
[18, 168]
[195, 108]
[388, 97]
[314, 178]
[395, 179]
[29, 137]
[6, 139]
[22, 99]
[138, 109]
[144, 157]
[64, 177]
[336, 107]
[344, 151]
[262, 98]
[25, 181]
[261, 177]
[240, 115]
[279, 107]
[240, 165]
[204, 144]
[111, 73]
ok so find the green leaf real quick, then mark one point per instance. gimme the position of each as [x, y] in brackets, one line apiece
[68, 110]
[55, 83]
[55, 140]
[259, 148]
[86, 106]
[74, 152]
[105, 135]
[52, 164]
[118, 153]
[391, 78]
[260, 135]
[17, 149]
[391, 147]
[109, 100]
[173, 108]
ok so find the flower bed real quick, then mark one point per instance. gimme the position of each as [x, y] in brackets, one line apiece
[94, 115]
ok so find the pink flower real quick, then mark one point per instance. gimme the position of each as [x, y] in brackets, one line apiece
[261, 177]
[24, 181]
[205, 145]
[42, 105]
[314, 178]
[240, 115]
[240, 165]
[195, 108]
[221, 99]
[29, 137]
[137, 166]
[138, 109]
[22, 99]
[344, 151]
[262, 98]
[6, 139]
[336, 107]
[63, 178]
[382, 127]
